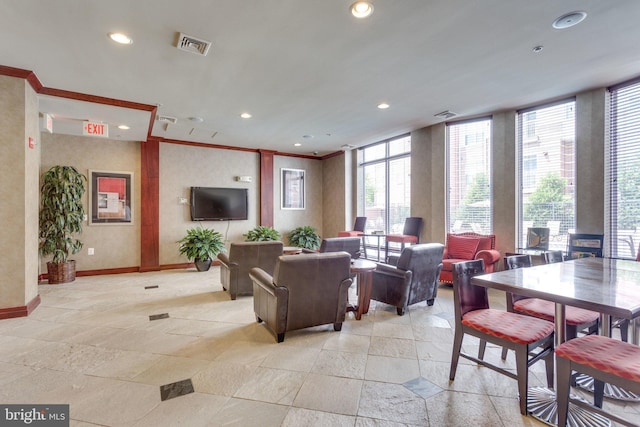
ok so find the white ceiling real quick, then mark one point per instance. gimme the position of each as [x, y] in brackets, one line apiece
[307, 67]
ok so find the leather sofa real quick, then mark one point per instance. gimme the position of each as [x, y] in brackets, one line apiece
[304, 291]
[242, 257]
[467, 247]
[413, 279]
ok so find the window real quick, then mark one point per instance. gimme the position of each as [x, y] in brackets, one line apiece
[546, 171]
[622, 172]
[469, 177]
[387, 184]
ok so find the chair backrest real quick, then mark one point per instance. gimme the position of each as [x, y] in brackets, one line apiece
[360, 224]
[585, 245]
[256, 254]
[638, 256]
[424, 260]
[412, 226]
[487, 241]
[313, 284]
[551, 257]
[517, 261]
[338, 244]
[468, 297]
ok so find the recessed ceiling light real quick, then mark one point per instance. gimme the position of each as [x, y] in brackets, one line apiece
[361, 9]
[569, 20]
[307, 136]
[297, 144]
[537, 49]
[120, 38]
[196, 119]
[383, 106]
[245, 115]
[123, 127]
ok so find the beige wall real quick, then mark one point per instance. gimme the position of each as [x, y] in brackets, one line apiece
[18, 192]
[115, 245]
[183, 167]
[336, 196]
[286, 220]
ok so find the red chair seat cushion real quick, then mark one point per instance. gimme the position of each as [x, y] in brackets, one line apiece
[402, 238]
[509, 326]
[350, 233]
[462, 247]
[547, 309]
[604, 354]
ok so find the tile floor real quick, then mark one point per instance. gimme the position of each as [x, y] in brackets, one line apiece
[113, 346]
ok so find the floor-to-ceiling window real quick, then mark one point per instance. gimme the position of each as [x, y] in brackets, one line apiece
[546, 171]
[386, 184]
[622, 172]
[469, 201]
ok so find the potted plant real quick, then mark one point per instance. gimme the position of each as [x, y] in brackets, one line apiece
[201, 245]
[304, 237]
[262, 233]
[61, 216]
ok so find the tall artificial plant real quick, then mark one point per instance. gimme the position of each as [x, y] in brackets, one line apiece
[61, 212]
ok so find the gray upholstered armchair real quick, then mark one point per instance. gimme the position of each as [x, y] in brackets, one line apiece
[304, 291]
[235, 265]
[337, 244]
[413, 279]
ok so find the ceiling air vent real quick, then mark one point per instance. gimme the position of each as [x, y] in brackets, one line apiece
[445, 114]
[193, 45]
[167, 119]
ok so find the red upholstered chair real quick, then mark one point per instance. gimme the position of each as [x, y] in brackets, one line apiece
[607, 360]
[524, 334]
[578, 319]
[358, 228]
[410, 234]
[466, 247]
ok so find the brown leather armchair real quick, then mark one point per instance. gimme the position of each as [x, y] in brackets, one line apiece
[242, 257]
[413, 279]
[337, 244]
[304, 291]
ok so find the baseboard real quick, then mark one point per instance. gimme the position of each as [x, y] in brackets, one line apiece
[21, 311]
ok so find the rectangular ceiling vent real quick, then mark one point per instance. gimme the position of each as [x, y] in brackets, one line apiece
[445, 114]
[193, 45]
[167, 119]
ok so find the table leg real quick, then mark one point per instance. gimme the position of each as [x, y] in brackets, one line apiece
[364, 293]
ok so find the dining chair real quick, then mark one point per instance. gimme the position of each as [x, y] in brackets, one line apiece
[410, 234]
[523, 334]
[358, 228]
[577, 319]
[605, 359]
[358, 231]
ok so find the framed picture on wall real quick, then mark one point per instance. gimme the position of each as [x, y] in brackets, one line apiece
[111, 197]
[292, 193]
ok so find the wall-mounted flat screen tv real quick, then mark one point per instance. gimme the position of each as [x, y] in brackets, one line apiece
[219, 204]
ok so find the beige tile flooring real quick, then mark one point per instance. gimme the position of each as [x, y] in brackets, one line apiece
[92, 345]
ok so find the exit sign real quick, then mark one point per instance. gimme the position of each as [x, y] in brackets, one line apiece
[95, 129]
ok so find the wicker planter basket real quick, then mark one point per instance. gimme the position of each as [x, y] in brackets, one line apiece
[63, 272]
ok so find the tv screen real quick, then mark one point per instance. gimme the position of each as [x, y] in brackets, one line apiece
[219, 204]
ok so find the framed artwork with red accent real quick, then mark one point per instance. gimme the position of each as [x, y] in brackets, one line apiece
[111, 197]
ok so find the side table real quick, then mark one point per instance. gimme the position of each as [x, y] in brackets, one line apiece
[364, 270]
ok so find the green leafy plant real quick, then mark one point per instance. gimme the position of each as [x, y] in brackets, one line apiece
[304, 237]
[201, 244]
[61, 212]
[261, 233]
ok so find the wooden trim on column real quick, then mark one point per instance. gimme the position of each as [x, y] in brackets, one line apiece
[150, 208]
[266, 187]
[25, 310]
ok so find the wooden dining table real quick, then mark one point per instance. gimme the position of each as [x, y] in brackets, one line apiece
[608, 286]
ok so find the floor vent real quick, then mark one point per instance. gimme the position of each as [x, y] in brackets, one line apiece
[193, 45]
